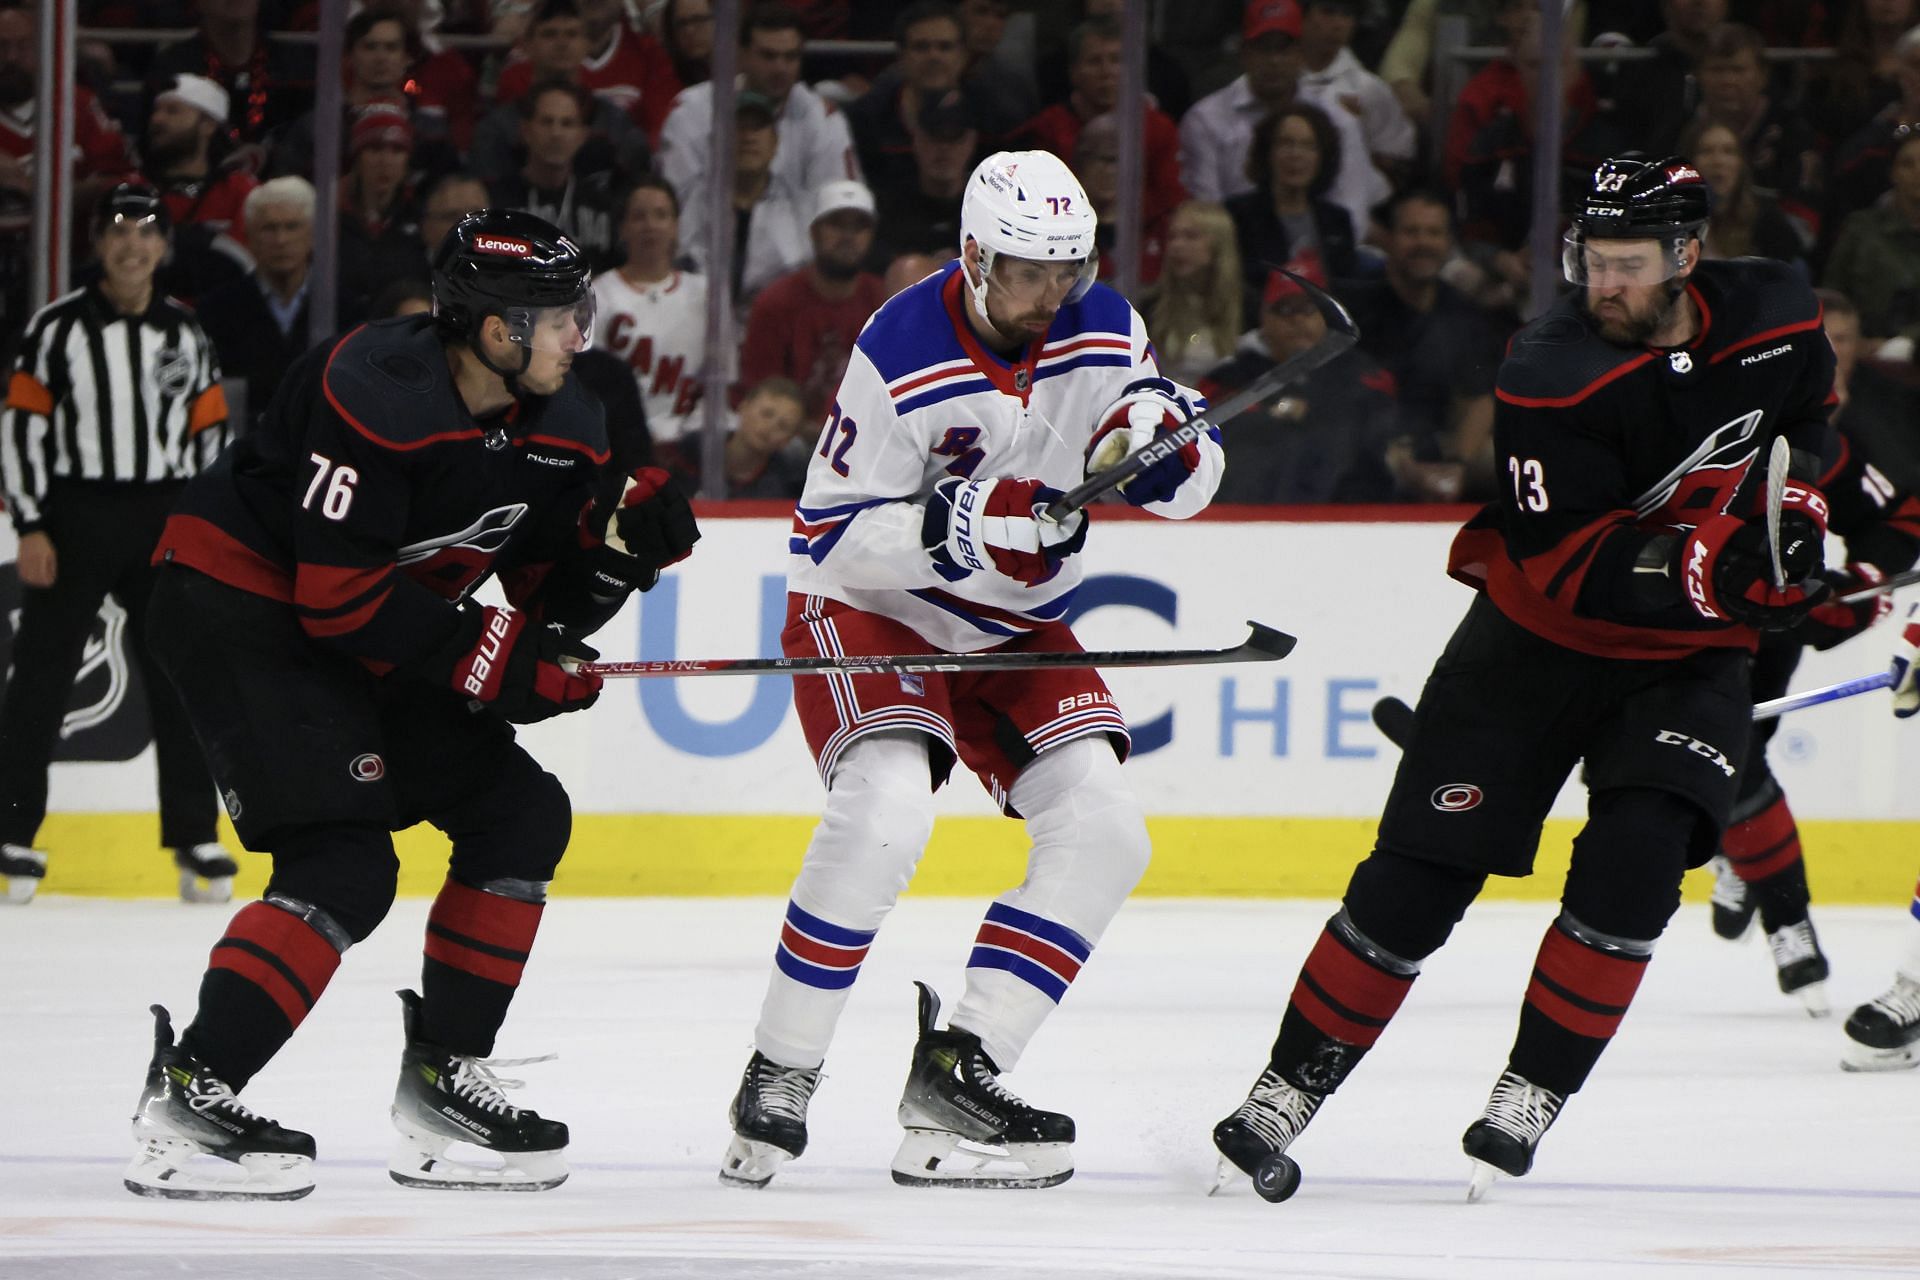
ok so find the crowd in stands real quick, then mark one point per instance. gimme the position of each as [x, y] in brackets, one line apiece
[1321, 136]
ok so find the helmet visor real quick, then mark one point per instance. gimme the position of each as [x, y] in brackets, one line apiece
[1605, 263]
[1027, 280]
[565, 328]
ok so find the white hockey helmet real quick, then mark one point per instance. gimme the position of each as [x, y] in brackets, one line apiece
[1028, 204]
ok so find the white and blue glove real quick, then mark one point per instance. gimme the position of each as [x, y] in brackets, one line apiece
[1906, 661]
[1146, 409]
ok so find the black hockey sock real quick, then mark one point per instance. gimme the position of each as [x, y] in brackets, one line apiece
[1348, 990]
[262, 980]
[1583, 982]
[477, 945]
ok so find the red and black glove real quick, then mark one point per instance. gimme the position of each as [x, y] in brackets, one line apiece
[1831, 621]
[1726, 569]
[520, 671]
[651, 528]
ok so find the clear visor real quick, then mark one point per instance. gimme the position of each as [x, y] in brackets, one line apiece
[1027, 280]
[561, 329]
[1611, 264]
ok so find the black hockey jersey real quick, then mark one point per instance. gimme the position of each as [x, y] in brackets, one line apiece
[369, 498]
[1602, 448]
[1879, 520]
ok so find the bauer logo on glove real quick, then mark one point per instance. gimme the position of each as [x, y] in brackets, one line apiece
[1146, 411]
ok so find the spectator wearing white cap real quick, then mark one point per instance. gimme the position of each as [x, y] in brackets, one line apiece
[185, 134]
[803, 325]
[769, 223]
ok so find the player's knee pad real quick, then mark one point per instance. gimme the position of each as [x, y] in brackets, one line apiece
[1406, 906]
[1629, 858]
[1090, 844]
[878, 818]
[517, 829]
[347, 874]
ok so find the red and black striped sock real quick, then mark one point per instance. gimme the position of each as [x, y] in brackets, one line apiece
[1583, 982]
[477, 946]
[1765, 852]
[263, 978]
[1348, 990]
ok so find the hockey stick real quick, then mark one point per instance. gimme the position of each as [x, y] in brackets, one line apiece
[1394, 719]
[1779, 459]
[1341, 334]
[1880, 588]
[1263, 644]
[1814, 697]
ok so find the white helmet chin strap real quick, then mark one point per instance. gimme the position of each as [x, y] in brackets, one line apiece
[979, 289]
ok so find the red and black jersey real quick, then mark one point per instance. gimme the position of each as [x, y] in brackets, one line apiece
[1879, 520]
[1604, 449]
[370, 499]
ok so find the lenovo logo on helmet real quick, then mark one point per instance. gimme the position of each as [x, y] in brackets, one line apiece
[503, 246]
[1682, 173]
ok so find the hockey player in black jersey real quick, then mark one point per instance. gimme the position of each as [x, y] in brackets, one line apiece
[1624, 579]
[314, 609]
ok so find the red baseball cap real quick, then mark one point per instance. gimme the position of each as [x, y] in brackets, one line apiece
[380, 124]
[1280, 287]
[1265, 17]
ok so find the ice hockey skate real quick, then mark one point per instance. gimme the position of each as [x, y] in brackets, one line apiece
[206, 872]
[1255, 1138]
[769, 1117]
[1801, 966]
[444, 1098]
[23, 869]
[196, 1142]
[964, 1127]
[1884, 1033]
[1733, 906]
[1503, 1140]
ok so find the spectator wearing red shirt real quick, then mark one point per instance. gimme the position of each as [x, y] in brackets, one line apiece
[1093, 68]
[1500, 86]
[204, 199]
[803, 325]
[626, 67]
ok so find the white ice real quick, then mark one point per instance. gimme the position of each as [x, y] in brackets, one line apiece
[1717, 1139]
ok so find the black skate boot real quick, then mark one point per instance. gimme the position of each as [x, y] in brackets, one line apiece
[1733, 906]
[23, 869]
[964, 1127]
[1254, 1139]
[186, 1111]
[1884, 1033]
[444, 1098]
[769, 1117]
[1503, 1140]
[1801, 966]
[206, 872]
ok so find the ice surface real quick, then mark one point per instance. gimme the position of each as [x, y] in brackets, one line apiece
[1718, 1138]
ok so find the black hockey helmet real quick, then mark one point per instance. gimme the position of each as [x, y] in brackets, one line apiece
[511, 264]
[1634, 198]
[132, 201]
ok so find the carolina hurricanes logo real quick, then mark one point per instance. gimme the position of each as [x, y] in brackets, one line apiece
[1704, 482]
[1457, 797]
[367, 767]
[449, 564]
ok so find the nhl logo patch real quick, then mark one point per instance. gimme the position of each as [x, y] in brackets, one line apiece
[1021, 379]
[1682, 361]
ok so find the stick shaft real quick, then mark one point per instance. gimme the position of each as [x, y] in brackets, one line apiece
[1830, 693]
[1779, 460]
[1892, 583]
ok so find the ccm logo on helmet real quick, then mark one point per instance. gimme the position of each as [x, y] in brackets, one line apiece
[1456, 797]
[503, 246]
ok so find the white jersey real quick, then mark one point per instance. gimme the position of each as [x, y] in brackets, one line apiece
[660, 330]
[923, 400]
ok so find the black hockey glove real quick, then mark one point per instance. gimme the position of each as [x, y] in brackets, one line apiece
[523, 672]
[1726, 568]
[653, 527]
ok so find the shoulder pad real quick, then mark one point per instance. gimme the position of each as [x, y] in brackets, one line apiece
[912, 330]
[1559, 360]
[572, 418]
[1756, 296]
[390, 381]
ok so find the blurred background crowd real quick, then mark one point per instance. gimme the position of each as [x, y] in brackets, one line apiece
[1384, 148]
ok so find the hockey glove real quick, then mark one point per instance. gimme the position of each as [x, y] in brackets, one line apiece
[496, 659]
[1726, 570]
[995, 526]
[1906, 667]
[653, 527]
[1830, 622]
[1146, 410]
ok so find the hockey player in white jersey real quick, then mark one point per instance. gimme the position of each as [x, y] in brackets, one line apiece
[972, 400]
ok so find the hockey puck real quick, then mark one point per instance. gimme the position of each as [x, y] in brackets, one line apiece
[1394, 719]
[1277, 1178]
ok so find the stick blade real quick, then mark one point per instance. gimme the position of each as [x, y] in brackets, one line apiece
[1394, 719]
[1268, 643]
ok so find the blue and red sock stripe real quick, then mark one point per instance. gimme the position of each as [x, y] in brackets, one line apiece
[1039, 951]
[820, 954]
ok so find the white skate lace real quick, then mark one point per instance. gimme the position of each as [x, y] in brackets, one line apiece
[1901, 1002]
[476, 1082]
[1276, 1111]
[1729, 890]
[1793, 943]
[1522, 1108]
[784, 1091]
[985, 1079]
[210, 1093]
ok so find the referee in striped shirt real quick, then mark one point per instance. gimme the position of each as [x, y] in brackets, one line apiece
[114, 403]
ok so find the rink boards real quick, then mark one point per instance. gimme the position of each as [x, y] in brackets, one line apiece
[1260, 780]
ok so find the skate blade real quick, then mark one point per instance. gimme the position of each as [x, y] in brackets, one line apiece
[179, 1169]
[752, 1164]
[420, 1160]
[1813, 998]
[1860, 1057]
[1225, 1172]
[216, 890]
[20, 889]
[942, 1158]
[1481, 1180]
